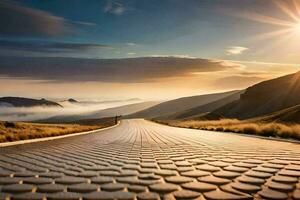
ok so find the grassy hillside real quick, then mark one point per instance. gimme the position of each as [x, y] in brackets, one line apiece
[263, 98]
[272, 129]
[201, 110]
[284, 123]
[13, 131]
[288, 115]
[178, 105]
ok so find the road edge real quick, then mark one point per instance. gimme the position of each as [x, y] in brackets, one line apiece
[19, 142]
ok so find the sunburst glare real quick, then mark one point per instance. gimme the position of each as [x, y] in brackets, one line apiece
[287, 27]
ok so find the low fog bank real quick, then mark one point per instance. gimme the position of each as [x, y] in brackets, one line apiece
[10, 113]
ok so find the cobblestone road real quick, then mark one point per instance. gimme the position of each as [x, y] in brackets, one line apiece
[147, 161]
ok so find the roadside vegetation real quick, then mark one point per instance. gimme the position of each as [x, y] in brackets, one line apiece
[14, 131]
[268, 129]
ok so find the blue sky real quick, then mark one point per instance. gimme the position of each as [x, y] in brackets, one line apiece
[246, 37]
[142, 28]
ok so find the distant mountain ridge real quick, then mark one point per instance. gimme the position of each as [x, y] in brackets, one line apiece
[71, 100]
[27, 102]
[178, 105]
[204, 109]
[108, 112]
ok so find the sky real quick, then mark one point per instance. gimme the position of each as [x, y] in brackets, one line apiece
[148, 49]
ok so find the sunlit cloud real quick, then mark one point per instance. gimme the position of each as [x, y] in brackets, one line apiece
[83, 23]
[175, 56]
[131, 53]
[235, 50]
[131, 44]
[265, 63]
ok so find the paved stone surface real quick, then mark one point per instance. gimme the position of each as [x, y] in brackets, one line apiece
[141, 160]
[28, 196]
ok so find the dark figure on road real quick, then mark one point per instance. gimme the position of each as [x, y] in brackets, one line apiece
[116, 118]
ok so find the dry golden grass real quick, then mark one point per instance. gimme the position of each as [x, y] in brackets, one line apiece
[249, 127]
[13, 131]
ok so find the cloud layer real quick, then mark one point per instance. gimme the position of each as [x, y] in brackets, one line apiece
[47, 46]
[236, 50]
[114, 7]
[68, 109]
[16, 20]
[134, 70]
